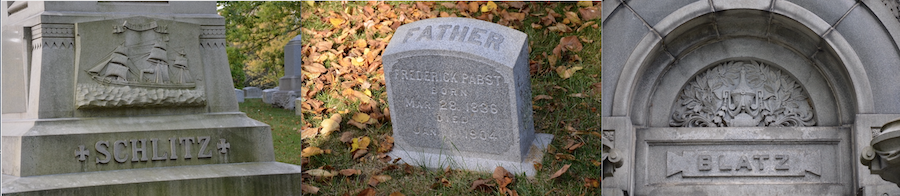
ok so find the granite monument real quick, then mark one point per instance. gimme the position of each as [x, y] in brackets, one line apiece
[127, 98]
[252, 92]
[460, 95]
[239, 94]
[289, 85]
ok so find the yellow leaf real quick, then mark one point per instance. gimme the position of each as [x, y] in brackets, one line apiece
[330, 124]
[567, 73]
[361, 117]
[368, 92]
[360, 143]
[552, 60]
[490, 6]
[585, 4]
[336, 22]
[311, 2]
[311, 151]
[321, 173]
[358, 61]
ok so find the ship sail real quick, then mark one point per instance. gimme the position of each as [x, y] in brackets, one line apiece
[158, 61]
[115, 65]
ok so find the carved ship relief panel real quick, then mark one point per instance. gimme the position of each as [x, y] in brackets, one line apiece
[742, 94]
[138, 62]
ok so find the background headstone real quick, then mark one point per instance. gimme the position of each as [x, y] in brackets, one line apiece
[291, 82]
[239, 94]
[268, 95]
[127, 98]
[252, 92]
[460, 95]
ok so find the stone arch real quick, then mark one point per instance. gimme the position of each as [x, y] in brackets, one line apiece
[823, 47]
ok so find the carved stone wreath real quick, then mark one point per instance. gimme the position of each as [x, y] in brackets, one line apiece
[742, 94]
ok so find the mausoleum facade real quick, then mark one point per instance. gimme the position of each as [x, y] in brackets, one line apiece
[768, 97]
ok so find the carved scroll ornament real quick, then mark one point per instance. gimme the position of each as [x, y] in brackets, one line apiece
[742, 94]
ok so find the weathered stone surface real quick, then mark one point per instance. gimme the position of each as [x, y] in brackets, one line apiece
[880, 156]
[459, 89]
[127, 98]
[284, 99]
[268, 95]
[298, 110]
[239, 94]
[748, 97]
[252, 92]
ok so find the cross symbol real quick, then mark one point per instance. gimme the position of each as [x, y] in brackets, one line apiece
[81, 153]
[223, 147]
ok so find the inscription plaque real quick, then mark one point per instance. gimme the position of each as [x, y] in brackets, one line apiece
[752, 163]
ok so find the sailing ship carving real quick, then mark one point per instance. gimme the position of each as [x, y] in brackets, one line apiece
[126, 65]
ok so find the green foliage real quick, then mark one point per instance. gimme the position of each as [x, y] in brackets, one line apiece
[236, 62]
[256, 32]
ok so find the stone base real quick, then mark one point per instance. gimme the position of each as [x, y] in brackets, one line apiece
[284, 99]
[257, 178]
[430, 160]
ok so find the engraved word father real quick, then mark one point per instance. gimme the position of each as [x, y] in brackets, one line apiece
[477, 36]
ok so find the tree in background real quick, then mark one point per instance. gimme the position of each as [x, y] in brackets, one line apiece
[256, 32]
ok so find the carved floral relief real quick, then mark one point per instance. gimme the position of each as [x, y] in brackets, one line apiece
[742, 94]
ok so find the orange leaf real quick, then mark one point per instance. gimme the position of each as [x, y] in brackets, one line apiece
[315, 68]
[499, 173]
[589, 13]
[397, 194]
[591, 183]
[309, 133]
[350, 172]
[539, 97]
[311, 151]
[347, 137]
[359, 153]
[473, 7]
[387, 144]
[561, 171]
[565, 156]
[367, 192]
[305, 188]
[482, 185]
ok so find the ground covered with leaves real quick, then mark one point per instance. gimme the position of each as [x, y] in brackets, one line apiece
[345, 131]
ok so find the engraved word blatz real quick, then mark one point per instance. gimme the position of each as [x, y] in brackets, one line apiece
[765, 163]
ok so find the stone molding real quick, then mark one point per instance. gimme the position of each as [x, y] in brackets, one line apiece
[52, 31]
[212, 32]
[742, 94]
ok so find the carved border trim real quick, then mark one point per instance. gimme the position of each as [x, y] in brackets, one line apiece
[53, 31]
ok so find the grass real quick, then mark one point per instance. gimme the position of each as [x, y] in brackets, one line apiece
[550, 116]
